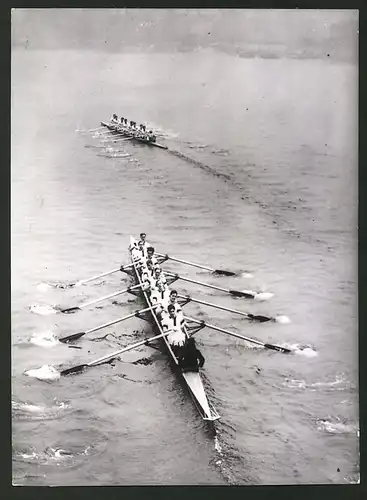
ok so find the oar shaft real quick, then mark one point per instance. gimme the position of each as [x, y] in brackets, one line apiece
[199, 282]
[81, 282]
[213, 305]
[223, 330]
[186, 262]
[86, 304]
[128, 348]
[116, 320]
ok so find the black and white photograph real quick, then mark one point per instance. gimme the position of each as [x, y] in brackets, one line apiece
[184, 240]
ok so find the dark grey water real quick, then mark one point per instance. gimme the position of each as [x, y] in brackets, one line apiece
[266, 182]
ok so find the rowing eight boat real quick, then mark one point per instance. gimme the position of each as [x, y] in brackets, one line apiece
[192, 379]
[127, 133]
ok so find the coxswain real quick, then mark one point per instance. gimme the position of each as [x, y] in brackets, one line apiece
[191, 359]
[114, 118]
[172, 323]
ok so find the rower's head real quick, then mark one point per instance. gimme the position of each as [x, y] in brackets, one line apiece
[143, 236]
[161, 286]
[149, 264]
[150, 251]
[171, 310]
[146, 284]
[158, 271]
[173, 295]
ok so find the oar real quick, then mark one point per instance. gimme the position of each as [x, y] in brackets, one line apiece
[81, 282]
[253, 317]
[92, 129]
[76, 336]
[80, 368]
[86, 304]
[235, 293]
[215, 271]
[233, 334]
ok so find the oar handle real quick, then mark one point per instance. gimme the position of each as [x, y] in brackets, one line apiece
[86, 304]
[128, 348]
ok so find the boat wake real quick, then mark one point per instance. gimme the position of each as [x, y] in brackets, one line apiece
[43, 310]
[334, 425]
[46, 372]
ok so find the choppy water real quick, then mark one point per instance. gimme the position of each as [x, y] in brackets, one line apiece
[265, 181]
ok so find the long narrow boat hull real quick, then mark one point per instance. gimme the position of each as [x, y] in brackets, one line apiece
[193, 379]
[115, 128]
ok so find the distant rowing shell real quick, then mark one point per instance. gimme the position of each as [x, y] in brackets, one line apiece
[138, 139]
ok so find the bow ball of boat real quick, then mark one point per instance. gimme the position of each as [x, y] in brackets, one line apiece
[132, 134]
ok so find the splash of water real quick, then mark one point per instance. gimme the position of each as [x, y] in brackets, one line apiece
[45, 339]
[46, 372]
[261, 295]
[43, 310]
[43, 287]
[282, 319]
[245, 274]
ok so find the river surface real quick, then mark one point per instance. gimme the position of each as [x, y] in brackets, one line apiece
[264, 180]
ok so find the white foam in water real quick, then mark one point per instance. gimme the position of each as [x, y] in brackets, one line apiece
[27, 455]
[217, 445]
[247, 275]
[262, 295]
[305, 351]
[46, 372]
[45, 339]
[43, 310]
[282, 319]
[43, 287]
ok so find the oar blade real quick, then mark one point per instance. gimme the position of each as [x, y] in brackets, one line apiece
[259, 317]
[223, 272]
[70, 310]
[278, 348]
[237, 293]
[71, 338]
[73, 369]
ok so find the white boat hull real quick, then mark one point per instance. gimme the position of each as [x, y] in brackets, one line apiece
[193, 379]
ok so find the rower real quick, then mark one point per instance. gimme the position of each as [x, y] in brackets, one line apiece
[173, 324]
[191, 359]
[142, 249]
[159, 276]
[173, 300]
[150, 253]
[122, 119]
[114, 118]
